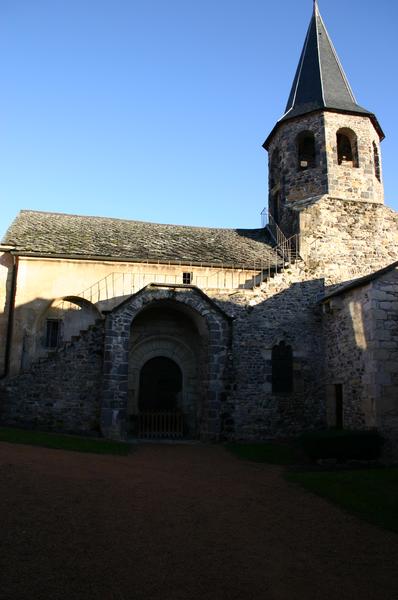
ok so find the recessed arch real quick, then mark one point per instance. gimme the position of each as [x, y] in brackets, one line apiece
[306, 152]
[176, 307]
[61, 319]
[164, 330]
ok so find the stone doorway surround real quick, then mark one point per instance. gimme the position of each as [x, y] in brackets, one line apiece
[214, 328]
[188, 362]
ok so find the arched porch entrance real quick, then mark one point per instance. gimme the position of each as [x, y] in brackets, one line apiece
[179, 323]
[165, 359]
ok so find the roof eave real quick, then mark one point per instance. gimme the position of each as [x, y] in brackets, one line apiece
[371, 116]
[248, 266]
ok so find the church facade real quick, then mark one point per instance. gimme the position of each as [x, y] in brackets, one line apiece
[129, 328]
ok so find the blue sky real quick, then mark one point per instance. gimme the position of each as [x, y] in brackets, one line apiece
[156, 110]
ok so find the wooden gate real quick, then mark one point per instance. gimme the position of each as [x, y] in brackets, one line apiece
[160, 425]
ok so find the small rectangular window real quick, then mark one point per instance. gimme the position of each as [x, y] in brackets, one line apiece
[52, 333]
[187, 278]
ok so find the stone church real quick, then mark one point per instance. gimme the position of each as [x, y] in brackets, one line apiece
[136, 329]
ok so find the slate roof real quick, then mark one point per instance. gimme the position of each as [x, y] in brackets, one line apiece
[55, 234]
[320, 82]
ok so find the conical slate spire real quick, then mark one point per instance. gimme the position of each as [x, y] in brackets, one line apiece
[320, 81]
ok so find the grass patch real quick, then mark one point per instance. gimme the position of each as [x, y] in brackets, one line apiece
[274, 454]
[371, 494]
[63, 442]
[342, 444]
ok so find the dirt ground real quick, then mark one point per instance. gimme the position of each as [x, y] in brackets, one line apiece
[178, 522]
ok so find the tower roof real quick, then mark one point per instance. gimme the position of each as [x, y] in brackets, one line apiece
[320, 82]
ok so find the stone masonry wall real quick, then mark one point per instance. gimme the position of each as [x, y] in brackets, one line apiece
[61, 392]
[384, 350]
[345, 181]
[346, 239]
[361, 337]
[293, 183]
[283, 309]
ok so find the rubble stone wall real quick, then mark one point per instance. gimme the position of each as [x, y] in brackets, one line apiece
[348, 333]
[384, 348]
[61, 392]
[346, 239]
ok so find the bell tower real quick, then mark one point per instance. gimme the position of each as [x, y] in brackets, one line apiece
[325, 144]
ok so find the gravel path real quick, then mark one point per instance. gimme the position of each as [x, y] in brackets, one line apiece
[178, 522]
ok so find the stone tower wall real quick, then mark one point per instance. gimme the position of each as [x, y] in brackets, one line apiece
[292, 183]
[296, 184]
[345, 181]
[341, 239]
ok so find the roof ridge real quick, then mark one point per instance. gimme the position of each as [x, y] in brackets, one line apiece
[125, 220]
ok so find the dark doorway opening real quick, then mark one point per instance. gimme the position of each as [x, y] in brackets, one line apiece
[160, 385]
[282, 369]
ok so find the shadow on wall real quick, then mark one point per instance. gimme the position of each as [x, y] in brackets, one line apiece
[61, 391]
[288, 319]
[42, 326]
[7, 283]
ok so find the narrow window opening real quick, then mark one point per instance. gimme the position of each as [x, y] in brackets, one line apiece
[187, 278]
[338, 391]
[282, 369]
[275, 166]
[53, 333]
[274, 207]
[376, 159]
[306, 151]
